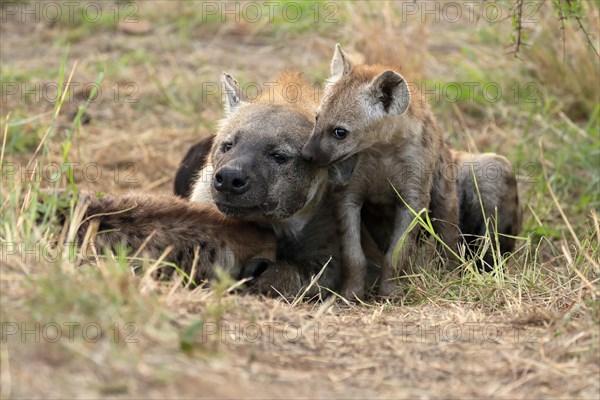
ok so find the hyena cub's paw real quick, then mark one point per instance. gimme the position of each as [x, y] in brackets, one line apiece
[354, 291]
[391, 289]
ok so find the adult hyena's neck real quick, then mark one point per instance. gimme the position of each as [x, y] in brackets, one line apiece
[201, 190]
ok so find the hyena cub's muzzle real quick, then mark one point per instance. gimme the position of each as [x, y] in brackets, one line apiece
[314, 152]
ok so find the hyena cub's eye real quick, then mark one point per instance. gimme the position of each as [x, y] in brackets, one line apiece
[227, 146]
[340, 133]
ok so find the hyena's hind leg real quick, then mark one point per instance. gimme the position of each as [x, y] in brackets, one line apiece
[444, 213]
[396, 261]
[489, 206]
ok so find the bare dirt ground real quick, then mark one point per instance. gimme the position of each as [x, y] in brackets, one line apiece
[532, 332]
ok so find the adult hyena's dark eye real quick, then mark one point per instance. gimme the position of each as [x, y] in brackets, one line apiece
[279, 158]
[226, 147]
[340, 133]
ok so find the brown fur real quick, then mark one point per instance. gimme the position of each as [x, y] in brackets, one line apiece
[491, 206]
[157, 222]
[405, 149]
[286, 276]
[291, 197]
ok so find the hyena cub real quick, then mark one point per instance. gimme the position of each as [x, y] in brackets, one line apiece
[196, 233]
[368, 110]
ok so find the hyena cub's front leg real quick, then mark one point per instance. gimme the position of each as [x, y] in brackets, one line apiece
[395, 264]
[354, 260]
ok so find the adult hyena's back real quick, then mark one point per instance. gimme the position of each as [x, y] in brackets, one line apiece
[154, 223]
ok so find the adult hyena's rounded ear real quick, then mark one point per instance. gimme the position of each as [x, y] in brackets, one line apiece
[233, 93]
[391, 91]
[340, 65]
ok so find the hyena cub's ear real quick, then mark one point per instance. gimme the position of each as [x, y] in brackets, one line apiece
[233, 93]
[340, 65]
[391, 91]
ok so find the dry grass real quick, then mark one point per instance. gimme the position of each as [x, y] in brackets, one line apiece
[529, 330]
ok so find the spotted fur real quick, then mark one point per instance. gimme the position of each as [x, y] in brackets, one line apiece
[488, 203]
[403, 161]
[151, 224]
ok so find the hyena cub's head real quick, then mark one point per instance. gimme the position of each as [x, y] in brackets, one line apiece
[357, 99]
[258, 168]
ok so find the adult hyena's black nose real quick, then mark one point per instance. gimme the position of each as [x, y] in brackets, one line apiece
[232, 180]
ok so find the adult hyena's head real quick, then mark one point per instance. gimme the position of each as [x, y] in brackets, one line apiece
[258, 170]
[357, 100]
